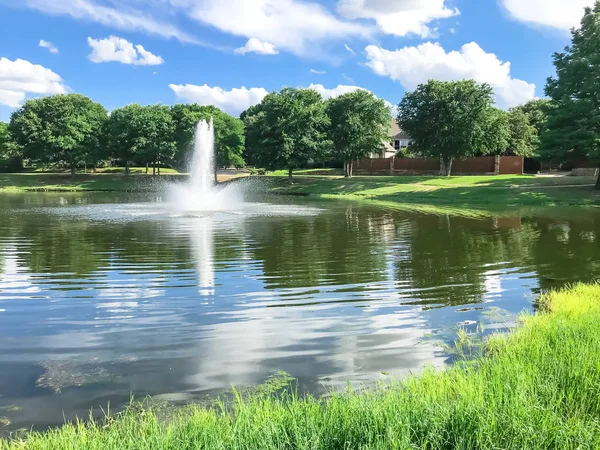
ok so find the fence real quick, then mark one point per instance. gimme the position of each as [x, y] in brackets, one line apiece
[498, 165]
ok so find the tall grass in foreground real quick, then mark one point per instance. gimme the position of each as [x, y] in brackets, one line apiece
[537, 387]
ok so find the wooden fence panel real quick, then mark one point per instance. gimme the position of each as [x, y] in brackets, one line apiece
[511, 165]
[482, 164]
[417, 164]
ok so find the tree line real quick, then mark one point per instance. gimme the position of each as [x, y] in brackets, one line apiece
[71, 130]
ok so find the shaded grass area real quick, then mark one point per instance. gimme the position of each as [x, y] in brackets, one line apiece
[462, 190]
[537, 387]
[133, 170]
[83, 182]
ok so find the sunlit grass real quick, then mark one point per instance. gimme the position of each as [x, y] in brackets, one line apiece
[463, 190]
[537, 388]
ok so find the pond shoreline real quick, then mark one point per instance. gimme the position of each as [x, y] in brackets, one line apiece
[512, 190]
[534, 385]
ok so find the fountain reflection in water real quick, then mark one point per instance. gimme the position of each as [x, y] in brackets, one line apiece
[200, 193]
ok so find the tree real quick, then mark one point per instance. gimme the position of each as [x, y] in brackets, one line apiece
[143, 134]
[11, 155]
[523, 135]
[447, 119]
[360, 124]
[229, 134]
[497, 132]
[61, 129]
[573, 125]
[287, 130]
[537, 110]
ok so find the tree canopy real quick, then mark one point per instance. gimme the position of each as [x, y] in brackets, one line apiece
[11, 154]
[523, 135]
[58, 129]
[360, 124]
[498, 132]
[447, 119]
[573, 125]
[142, 134]
[287, 130]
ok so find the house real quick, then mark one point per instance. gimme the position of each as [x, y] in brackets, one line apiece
[399, 141]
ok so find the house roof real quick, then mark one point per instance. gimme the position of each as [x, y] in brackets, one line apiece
[397, 133]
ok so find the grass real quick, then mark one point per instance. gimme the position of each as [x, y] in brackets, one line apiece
[133, 170]
[537, 387]
[461, 190]
[90, 182]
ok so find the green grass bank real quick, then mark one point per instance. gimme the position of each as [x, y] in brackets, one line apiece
[502, 190]
[537, 387]
[467, 191]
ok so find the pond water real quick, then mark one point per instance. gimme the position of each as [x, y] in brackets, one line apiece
[103, 296]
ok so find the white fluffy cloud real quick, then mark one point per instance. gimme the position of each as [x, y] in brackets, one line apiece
[349, 50]
[292, 25]
[255, 46]
[116, 49]
[318, 72]
[334, 92]
[399, 17]
[49, 45]
[20, 77]
[561, 14]
[233, 102]
[414, 65]
[123, 17]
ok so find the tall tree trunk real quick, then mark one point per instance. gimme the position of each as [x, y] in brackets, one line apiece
[350, 167]
[346, 172]
[72, 168]
[158, 164]
[598, 180]
[146, 168]
[127, 168]
[215, 171]
[290, 179]
[153, 168]
[447, 163]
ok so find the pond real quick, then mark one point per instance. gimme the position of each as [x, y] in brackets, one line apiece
[105, 295]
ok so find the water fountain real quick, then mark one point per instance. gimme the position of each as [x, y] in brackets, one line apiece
[200, 193]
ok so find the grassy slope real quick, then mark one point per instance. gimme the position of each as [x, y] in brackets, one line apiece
[537, 387]
[468, 190]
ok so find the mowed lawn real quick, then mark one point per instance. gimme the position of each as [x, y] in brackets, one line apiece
[489, 189]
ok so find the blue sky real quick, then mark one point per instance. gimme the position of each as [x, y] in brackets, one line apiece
[232, 52]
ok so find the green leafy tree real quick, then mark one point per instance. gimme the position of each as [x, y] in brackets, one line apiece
[61, 129]
[537, 110]
[141, 134]
[288, 130]
[573, 125]
[11, 154]
[229, 134]
[447, 119]
[360, 124]
[497, 130]
[523, 135]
